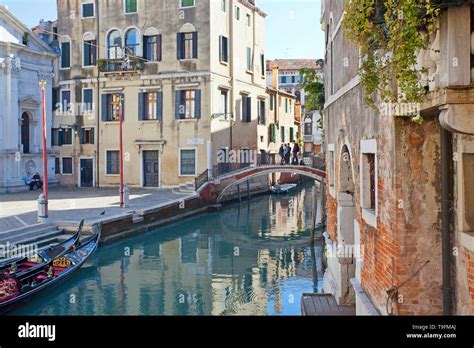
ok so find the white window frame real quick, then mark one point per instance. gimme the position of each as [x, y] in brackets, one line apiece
[185, 7]
[87, 112]
[368, 147]
[61, 100]
[62, 166]
[82, 10]
[125, 8]
[332, 170]
[65, 39]
[105, 162]
[83, 50]
[237, 13]
[195, 164]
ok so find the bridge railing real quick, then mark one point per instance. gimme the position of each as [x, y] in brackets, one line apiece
[201, 180]
[317, 162]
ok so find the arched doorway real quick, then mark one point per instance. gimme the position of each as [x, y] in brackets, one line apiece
[341, 264]
[25, 132]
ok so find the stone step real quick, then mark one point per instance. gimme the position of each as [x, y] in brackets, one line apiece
[24, 230]
[33, 235]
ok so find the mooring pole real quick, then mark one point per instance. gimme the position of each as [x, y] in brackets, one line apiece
[248, 190]
[240, 197]
[314, 212]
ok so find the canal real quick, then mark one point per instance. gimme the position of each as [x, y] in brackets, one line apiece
[251, 258]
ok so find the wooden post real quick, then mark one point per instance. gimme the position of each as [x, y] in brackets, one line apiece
[248, 190]
[314, 212]
[45, 148]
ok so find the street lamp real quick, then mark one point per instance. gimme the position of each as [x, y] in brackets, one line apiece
[45, 150]
[117, 103]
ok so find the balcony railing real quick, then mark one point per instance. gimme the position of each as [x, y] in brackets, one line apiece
[126, 64]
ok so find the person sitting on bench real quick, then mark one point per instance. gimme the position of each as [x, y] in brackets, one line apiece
[36, 182]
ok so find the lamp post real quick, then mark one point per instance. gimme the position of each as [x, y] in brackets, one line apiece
[118, 107]
[45, 150]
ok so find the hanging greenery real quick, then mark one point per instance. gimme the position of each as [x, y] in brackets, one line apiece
[390, 34]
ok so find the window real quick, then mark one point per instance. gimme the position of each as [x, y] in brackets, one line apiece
[65, 55]
[87, 100]
[292, 134]
[368, 180]
[58, 136]
[272, 102]
[87, 136]
[65, 102]
[111, 107]
[283, 79]
[132, 43]
[113, 163]
[57, 166]
[237, 13]
[283, 134]
[131, 6]
[187, 45]
[262, 64]
[246, 109]
[151, 106]
[272, 133]
[186, 3]
[152, 48]
[67, 166]
[224, 103]
[114, 45]
[65, 135]
[262, 119]
[331, 168]
[249, 20]
[187, 162]
[249, 58]
[286, 105]
[90, 52]
[223, 49]
[223, 5]
[88, 10]
[188, 104]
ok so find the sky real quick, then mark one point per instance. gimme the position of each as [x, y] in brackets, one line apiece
[293, 27]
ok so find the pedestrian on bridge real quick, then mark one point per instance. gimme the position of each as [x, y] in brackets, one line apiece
[282, 154]
[296, 151]
[287, 153]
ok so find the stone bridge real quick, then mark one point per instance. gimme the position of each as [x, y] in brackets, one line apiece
[214, 190]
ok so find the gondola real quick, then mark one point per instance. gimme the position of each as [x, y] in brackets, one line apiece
[15, 290]
[282, 189]
[19, 267]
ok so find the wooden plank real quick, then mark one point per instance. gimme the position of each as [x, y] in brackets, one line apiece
[323, 305]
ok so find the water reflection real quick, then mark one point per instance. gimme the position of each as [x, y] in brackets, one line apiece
[249, 259]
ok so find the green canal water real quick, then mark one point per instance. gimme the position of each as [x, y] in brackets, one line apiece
[251, 258]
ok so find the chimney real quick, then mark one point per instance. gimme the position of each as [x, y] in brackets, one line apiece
[275, 77]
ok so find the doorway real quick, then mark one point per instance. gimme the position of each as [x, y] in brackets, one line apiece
[87, 172]
[25, 132]
[151, 172]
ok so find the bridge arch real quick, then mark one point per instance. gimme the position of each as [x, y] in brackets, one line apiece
[240, 177]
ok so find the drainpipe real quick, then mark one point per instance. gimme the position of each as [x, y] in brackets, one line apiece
[232, 73]
[446, 194]
[97, 111]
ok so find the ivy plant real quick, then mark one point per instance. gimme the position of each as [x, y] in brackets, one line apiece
[389, 35]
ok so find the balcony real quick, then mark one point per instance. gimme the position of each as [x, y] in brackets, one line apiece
[118, 66]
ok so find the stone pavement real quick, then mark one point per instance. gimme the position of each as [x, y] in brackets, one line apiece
[74, 204]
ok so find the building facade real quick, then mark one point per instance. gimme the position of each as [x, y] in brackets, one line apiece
[397, 202]
[290, 80]
[24, 62]
[186, 76]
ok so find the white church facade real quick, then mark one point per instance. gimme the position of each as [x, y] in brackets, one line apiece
[25, 60]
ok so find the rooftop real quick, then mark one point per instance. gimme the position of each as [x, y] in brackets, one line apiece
[293, 64]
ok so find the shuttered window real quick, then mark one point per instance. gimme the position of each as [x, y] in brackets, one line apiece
[90, 52]
[111, 109]
[65, 55]
[131, 6]
[152, 50]
[187, 45]
[150, 106]
[246, 109]
[188, 104]
[224, 49]
[67, 166]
